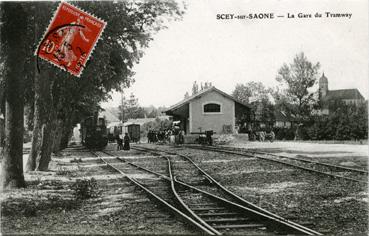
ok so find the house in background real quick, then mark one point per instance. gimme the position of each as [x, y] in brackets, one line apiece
[327, 97]
[282, 120]
[278, 119]
[210, 109]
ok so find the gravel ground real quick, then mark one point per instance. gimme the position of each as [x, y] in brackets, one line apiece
[331, 206]
[48, 206]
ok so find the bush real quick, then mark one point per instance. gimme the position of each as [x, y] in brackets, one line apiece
[85, 189]
[284, 134]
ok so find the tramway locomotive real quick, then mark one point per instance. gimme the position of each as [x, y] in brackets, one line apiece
[94, 132]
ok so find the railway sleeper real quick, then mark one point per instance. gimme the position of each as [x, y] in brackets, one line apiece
[218, 214]
[251, 225]
[209, 209]
[256, 218]
[225, 220]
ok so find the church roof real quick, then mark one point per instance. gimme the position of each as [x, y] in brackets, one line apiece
[344, 94]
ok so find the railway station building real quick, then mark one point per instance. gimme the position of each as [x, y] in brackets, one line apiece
[210, 109]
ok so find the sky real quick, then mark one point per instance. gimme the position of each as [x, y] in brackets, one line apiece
[227, 52]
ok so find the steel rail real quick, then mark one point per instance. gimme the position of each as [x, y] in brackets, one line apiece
[184, 205]
[269, 218]
[278, 161]
[225, 201]
[250, 206]
[316, 163]
[158, 198]
[297, 159]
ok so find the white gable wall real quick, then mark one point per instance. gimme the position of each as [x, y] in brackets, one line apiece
[211, 121]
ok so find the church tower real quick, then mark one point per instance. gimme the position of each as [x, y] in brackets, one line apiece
[323, 86]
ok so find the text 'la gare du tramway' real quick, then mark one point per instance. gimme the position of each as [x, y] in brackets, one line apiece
[288, 15]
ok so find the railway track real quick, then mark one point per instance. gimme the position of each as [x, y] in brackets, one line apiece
[152, 186]
[216, 208]
[333, 171]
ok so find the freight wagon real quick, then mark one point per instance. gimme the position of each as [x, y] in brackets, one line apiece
[133, 131]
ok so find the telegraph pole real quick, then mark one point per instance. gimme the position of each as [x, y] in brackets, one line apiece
[122, 104]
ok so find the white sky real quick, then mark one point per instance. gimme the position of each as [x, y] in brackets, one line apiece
[227, 52]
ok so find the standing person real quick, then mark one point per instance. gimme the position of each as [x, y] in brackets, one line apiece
[119, 142]
[149, 136]
[126, 140]
[181, 137]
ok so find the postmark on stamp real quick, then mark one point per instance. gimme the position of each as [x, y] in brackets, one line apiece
[70, 38]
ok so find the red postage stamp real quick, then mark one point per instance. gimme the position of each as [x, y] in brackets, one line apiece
[70, 38]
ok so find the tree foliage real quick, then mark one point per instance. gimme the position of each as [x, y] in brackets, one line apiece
[296, 79]
[130, 27]
[258, 97]
[254, 90]
[195, 88]
[131, 109]
[344, 122]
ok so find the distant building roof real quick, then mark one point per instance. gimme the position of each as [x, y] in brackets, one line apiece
[344, 94]
[138, 121]
[283, 116]
[118, 123]
[141, 121]
[187, 100]
[109, 117]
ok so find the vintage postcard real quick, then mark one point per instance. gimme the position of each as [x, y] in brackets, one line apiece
[184, 117]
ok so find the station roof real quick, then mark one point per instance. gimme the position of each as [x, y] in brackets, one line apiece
[202, 92]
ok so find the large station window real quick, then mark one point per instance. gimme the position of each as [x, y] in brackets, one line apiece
[212, 108]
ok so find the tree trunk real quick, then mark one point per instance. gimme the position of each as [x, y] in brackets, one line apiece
[47, 129]
[66, 132]
[46, 147]
[37, 113]
[37, 125]
[13, 29]
[297, 133]
[58, 136]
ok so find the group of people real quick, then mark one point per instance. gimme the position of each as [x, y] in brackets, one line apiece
[123, 142]
[173, 135]
[153, 136]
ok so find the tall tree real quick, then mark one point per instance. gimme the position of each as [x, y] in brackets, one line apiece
[297, 78]
[133, 109]
[13, 42]
[195, 88]
[251, 91]
[130, 26]
[41, 87]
